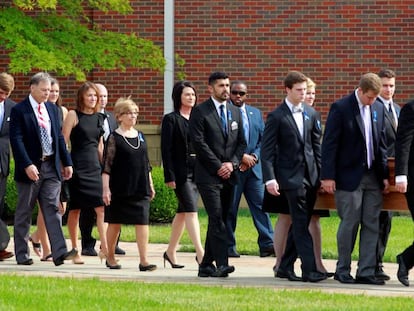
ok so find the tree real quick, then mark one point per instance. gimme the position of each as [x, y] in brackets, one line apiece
[57, 36]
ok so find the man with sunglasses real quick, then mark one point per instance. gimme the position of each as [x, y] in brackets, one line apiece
[250, 177]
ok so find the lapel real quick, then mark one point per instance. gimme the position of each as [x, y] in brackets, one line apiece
[291, 121]
[180, 125]
[357, 114]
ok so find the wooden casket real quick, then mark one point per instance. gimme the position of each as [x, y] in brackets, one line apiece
[393, 201]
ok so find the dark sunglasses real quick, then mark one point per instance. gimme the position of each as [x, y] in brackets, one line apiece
[238, 93]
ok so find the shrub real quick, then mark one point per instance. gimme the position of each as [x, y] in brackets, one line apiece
[165, 203]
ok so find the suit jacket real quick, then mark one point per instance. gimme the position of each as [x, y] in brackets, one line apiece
[404, 142]
[390, 130]
[212, 146]
[175, 148]
[343, 148]
[4, 138]
[113, 125]
[286, 156]
[25, 139]
[256, 126]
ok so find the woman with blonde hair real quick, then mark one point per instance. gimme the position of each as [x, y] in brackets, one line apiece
[127, 183]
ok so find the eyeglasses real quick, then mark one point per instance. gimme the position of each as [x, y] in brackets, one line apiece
[131, 113]
[241, 93]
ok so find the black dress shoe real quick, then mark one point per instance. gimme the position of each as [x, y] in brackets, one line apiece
[26, 262]
[233, 254]
[206, 271]
[369, 280]
[381, 275]
[89, 252]
[267, 252]
[223, 271]
[344, 278]
[66, 256]
[290, 275]
[329, 274]
[402, 273]
[147, 268]
[119, 251]
[314, 276]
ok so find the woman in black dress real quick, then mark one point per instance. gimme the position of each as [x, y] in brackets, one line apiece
[83, 128]
[127, 183]
[178, 158]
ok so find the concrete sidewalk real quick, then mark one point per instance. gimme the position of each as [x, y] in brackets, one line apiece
[251, 271]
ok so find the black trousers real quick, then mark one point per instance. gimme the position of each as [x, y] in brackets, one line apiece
[408, 254]
[299, 243]
[217, 201]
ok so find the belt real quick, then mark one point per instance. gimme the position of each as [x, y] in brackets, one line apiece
[47, 158]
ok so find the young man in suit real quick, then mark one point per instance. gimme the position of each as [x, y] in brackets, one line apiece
[392, 111]
[354, 168]
[6, 104]
[87, 216]
[291, 153]
[404, 176]
[216, 131]
[250, 176]
[40, 155]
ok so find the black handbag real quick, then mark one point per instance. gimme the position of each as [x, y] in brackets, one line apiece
[64, 191]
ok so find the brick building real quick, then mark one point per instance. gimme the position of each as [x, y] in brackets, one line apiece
[333, 42]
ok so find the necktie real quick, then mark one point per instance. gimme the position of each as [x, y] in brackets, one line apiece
[223, 120]
[44, 137]
[245, 125]
[368, 134]
[391, 114]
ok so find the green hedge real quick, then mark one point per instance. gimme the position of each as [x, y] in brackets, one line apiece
[162, 210]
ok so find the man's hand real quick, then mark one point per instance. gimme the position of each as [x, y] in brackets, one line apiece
[273, 188]
[328, 185]
[171, 184]
[32, 172]
[401, 187]
[225, 170]
[67, 172]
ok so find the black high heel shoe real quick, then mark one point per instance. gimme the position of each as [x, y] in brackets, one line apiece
[173, 265]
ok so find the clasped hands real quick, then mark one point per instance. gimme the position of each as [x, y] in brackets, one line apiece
[225, 170]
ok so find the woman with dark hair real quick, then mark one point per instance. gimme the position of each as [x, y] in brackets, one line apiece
[178, 158]
[83, 128]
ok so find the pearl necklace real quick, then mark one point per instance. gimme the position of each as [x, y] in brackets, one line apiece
[126, 140]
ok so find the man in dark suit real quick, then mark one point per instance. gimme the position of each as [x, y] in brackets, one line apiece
[250, 176]
[291, 154]
[40, 155]
[217, 134]
[392, 111]
[404, 176]
[87, 216]
[354, 168]
[6, 104]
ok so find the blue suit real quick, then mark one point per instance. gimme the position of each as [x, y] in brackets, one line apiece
[251, 184]
[27, 150]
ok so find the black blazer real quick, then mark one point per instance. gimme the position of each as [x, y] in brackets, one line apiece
[211, 145]
[343, 148]
[4, 138]
[25, 139]
[175, 148]
[286, 156]
[113, 125]
[404, 142]
[390, 130]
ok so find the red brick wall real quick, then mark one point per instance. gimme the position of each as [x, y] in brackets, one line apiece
[333, 42]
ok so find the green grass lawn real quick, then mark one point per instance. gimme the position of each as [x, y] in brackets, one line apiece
[44, 293]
